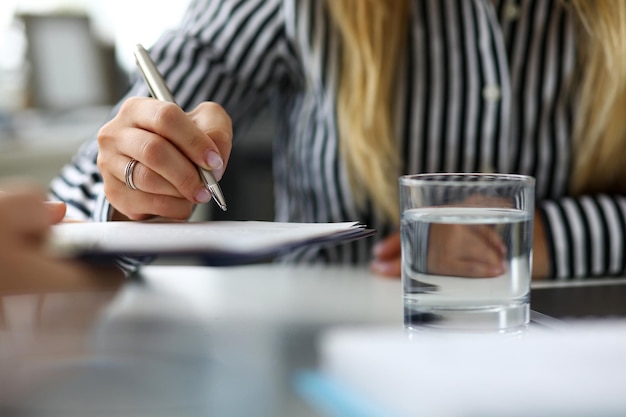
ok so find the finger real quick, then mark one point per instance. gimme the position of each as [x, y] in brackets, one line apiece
[478, 246]
[460, 250]
[466, 268]
[484, 259]
[388, 248]
[144, 178]
[212, 119]
[23, 213]
[477, 269]
[141, 205]
[159, 156]
[390, 268]
[491, 236]
[172, 123]
[56, 210]
[147, 180]
[487, 257]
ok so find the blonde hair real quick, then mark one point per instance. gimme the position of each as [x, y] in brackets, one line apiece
[373, 35]
[600, 131]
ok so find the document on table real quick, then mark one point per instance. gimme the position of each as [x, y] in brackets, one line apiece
[577, 369]
[216, 242]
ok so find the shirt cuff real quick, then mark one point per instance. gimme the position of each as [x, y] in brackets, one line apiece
[102, 209]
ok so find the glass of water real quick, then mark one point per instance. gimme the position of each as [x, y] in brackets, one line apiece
[466, 250]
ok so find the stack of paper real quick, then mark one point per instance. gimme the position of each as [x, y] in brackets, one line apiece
[220, 242]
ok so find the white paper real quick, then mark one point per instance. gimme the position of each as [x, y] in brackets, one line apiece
[222, 237]
[578, 370]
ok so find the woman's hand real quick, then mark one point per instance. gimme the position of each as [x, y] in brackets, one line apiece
[168, 145]
[470, 251]
[387, 257]
[387, 253]
[26, 266]
[454, 250]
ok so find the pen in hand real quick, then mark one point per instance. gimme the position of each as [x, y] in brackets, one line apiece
[160, 91]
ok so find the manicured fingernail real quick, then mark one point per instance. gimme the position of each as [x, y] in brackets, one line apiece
[380, 267]
[203, 196]
[377, 249]
[214, 160]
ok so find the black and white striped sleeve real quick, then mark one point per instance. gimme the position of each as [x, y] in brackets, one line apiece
[586, 235]
[230, 52]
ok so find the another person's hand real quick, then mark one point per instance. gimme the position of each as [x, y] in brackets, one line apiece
[26, 265]
[168, 144]
[453, 250]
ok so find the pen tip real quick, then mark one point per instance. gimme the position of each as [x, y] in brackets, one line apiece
[216, 192]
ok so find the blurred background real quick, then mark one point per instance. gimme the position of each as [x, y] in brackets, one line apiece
[65, 63]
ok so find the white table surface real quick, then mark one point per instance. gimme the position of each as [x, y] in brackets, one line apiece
[281, 293]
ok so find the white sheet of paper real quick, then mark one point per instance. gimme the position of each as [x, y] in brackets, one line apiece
[574, 370]
[235, 237]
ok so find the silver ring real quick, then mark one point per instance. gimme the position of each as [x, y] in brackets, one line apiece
[128, 174]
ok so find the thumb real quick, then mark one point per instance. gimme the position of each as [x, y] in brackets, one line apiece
[57, 210]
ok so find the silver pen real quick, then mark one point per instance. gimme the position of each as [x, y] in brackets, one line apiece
[160, 91]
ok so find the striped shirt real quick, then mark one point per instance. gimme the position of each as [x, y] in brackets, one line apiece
[486, 85]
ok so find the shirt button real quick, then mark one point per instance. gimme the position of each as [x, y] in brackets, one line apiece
[491, 92]
[511, 10]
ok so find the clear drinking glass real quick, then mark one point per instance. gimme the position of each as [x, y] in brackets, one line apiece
[466, 250]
